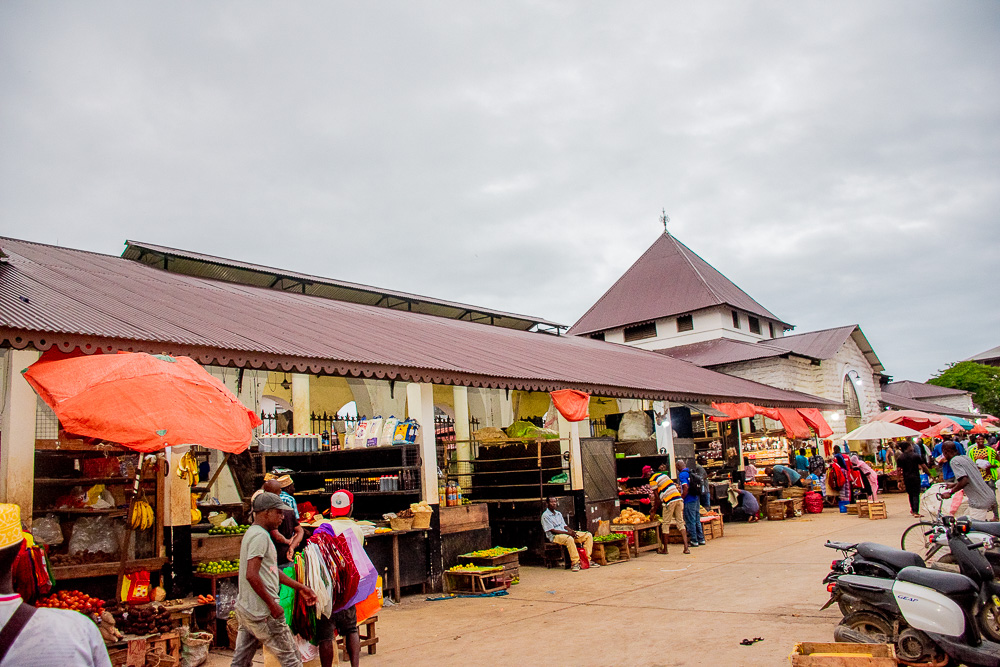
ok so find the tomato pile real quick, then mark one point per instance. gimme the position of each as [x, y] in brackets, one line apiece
[74, 600]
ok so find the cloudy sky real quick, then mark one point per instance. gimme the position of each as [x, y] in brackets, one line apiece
[839, 161]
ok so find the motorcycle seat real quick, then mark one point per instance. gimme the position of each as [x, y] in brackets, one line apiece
[988, 527]
[949, 583]
[844, 546]
[897, 558]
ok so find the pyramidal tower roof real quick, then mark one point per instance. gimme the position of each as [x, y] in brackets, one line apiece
[669, 279]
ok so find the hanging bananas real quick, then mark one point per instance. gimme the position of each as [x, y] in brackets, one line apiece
[195, 512]
[142, 517]
[187, 469]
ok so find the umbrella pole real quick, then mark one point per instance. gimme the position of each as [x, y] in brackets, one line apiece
[127, 538]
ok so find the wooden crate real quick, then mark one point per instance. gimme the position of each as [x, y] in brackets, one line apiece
[862, 509]
[464, 518]
[215, 547]
[849, 655]
[511, 564]
[599, 555]
[465, 582]
[777, 510]
[717, 530]
[852, 508]
[797, 505]
[877, 510]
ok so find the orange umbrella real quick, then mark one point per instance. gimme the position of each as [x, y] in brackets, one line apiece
[144, 402]
[945, 426]
[979, 429]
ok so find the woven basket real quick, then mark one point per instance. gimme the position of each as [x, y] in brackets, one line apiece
[421, 520]
[776, 511]
[233, 630]
[401, 524]
[793, 492]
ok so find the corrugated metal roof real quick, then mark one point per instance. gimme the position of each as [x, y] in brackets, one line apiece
[720, 351]
[234, 271]
[991, 356]
[919, 390]
[904, 403]
[816, 345]
[57, 296]
[668, 279]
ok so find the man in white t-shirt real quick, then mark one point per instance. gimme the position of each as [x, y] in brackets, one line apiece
[47, 636]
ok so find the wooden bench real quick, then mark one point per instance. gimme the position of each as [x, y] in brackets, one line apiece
[366, 633]
[555, 554]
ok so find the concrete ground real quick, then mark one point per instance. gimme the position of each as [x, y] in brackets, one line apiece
[760, 580]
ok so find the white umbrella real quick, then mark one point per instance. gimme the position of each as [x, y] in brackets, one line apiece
[878, 430]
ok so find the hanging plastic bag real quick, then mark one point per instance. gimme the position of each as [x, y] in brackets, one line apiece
[136, 588]
[47, 530]
[95, 534]
[371, 604]
[573, 405]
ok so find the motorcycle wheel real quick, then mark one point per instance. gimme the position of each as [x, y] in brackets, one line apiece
[870, 625]
[989, 621]
[916, 538]
[846, 608]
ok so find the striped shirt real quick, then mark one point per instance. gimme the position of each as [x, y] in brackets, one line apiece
[665, 487]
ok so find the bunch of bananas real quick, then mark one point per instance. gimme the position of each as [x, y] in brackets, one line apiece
[142, 515]
[187, 469]
[195, 512]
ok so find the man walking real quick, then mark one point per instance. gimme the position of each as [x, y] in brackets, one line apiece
[986, 460]
[691, 489]
[557, 531]
[669, 504]
[258, 610]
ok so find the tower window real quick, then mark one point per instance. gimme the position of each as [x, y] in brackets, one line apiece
[770, 328]
[736, 320]
[640, 332]
[754, 325]
[685, 323]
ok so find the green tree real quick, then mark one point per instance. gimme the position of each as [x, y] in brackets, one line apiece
[981, 380]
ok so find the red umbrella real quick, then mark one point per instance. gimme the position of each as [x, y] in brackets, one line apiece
[944, 426]
[979, 429]
[142, 401]
[909, 418]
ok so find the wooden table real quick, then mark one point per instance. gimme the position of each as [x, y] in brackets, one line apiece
[396, 594]
[635, 529]
[453, 577]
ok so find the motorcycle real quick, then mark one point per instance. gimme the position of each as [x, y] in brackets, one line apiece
[933, 617]
[876, 560]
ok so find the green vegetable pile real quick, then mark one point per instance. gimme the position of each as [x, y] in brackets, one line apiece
[608, 538]
[228, 530]
[493, 552]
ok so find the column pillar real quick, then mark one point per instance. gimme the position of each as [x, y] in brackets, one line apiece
[569, 435]
[17, 465]
[664, 429]
[301, 422]
[463, 450]
[420, 406]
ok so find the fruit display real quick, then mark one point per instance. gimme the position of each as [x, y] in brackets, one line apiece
[493, 552]
[206, 599]
[379, 531]
[142, 517]
[630, 516]
[475, 568]
[74, 600]
[195, 512]
[187, 469]
[109, 631]
[82, 558]
[228, 530]
[141, 620]
[608, 538]
[218, 566]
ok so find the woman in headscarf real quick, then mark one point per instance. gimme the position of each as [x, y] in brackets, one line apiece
[869, 478]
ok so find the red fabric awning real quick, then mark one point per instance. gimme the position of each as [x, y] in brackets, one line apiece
[573, 405]
[815, 419]
[796, 421]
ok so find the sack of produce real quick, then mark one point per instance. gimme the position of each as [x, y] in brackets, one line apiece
[635, 425]
[194, 648]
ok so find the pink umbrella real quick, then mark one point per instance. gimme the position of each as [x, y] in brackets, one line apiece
[909, 418]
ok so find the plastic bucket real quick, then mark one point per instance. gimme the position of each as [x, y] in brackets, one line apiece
[843, 506]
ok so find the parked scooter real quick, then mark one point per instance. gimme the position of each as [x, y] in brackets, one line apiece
[931, 616]
[875, 560]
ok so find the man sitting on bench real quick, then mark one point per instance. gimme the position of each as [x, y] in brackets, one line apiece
[558, 532]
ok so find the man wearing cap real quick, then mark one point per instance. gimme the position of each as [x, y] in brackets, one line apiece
[40, 637]
[344, 621]
[287, 489]
[260, 615]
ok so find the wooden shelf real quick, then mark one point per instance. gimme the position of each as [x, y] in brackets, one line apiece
[86, 481]
[78, 446]
[363, 493]
[80, 511]
[220, 575]
[105, 569]
[383, 448]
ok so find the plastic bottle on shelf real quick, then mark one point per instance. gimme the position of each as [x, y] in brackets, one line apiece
[458, 494]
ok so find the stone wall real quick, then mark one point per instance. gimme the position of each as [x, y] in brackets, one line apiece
[961, 403]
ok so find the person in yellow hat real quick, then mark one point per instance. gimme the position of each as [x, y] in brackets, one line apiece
[39, 637]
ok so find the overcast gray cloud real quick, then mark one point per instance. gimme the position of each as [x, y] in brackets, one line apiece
[839, 161]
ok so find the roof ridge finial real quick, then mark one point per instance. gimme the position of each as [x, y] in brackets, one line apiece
[665, 219]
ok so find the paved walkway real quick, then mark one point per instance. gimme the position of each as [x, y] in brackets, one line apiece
[760, 580]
